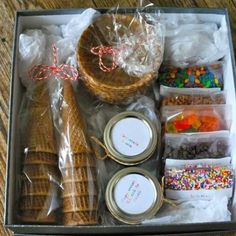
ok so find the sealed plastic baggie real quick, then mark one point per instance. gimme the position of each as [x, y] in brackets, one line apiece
[168, 91]
[119, 54]
[199, 181]
[197, 145]
[194, 99]
[39, 187]
[204, 76]
[117, 145]
[77, 163]
[115, 128]
[198, 118]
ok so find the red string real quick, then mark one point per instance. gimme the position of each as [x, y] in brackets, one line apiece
[102, 50]
[41, 72]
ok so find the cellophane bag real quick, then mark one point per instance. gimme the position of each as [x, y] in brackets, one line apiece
[197, 145]
[197, 118]
[77, 163]
[39, 184]
[199, 181]
[119, 54]
[98, 116]
[177, 99]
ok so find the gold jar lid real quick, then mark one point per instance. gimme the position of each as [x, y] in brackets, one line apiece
[133, 195]
[130, 137]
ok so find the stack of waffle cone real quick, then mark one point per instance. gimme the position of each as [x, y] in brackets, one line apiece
[80, 196]
[40, 175]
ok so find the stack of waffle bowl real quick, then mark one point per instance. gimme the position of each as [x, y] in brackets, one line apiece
[77, 165]
[39, 185]
[115, 86]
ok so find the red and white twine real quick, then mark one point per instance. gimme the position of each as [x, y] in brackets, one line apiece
[101, 51]
[41, 72]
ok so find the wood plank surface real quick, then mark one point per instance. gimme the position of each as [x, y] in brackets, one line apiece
[7, 14]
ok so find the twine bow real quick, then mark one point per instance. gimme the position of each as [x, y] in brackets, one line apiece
[63, 71]
[100, 51]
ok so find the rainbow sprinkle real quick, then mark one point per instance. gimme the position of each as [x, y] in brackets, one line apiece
[199, 178]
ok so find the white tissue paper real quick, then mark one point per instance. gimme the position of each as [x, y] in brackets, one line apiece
[194, 43]
[196, 211]
[32, 45]
[35, 46]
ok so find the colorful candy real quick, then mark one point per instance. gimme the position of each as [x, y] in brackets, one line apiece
[209, 76]
[199, 178]
[190, 120]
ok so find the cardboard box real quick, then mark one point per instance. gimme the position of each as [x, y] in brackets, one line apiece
[34, 19]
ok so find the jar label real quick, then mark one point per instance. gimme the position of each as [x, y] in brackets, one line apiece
[130, 136]
[134, 194]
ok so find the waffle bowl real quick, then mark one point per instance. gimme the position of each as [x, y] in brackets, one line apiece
[80, 218]
[115, 86]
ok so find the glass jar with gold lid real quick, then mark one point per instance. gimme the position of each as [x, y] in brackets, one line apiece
[130, 138]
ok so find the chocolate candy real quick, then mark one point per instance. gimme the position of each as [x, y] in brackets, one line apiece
[207, 149]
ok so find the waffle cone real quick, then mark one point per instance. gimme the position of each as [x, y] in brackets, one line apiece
[83, 203]
[73, 126]
[42, 158]
[40, 171]
[38, 187]
[76, 161]
[40, 132]
[80, 218]
[39, 96]
[37, 217]
[79, 174]
[85, 188]
[36, 203]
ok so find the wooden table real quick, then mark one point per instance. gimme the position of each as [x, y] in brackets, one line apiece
[7, 13]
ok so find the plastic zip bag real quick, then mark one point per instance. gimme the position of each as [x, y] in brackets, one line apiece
[40, 179]
[194, 99]
[197, 145]
[189, 119]
[199, 181]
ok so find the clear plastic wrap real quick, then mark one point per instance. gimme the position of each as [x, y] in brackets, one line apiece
[198, 118]
[40, 179]
[77, 163]
[194, 99]
[199, 181]
[167, 91]
[197, 145]
[98, 117]
[119, 54]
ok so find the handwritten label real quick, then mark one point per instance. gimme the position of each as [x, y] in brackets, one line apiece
[130, 136]
[134, 194]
